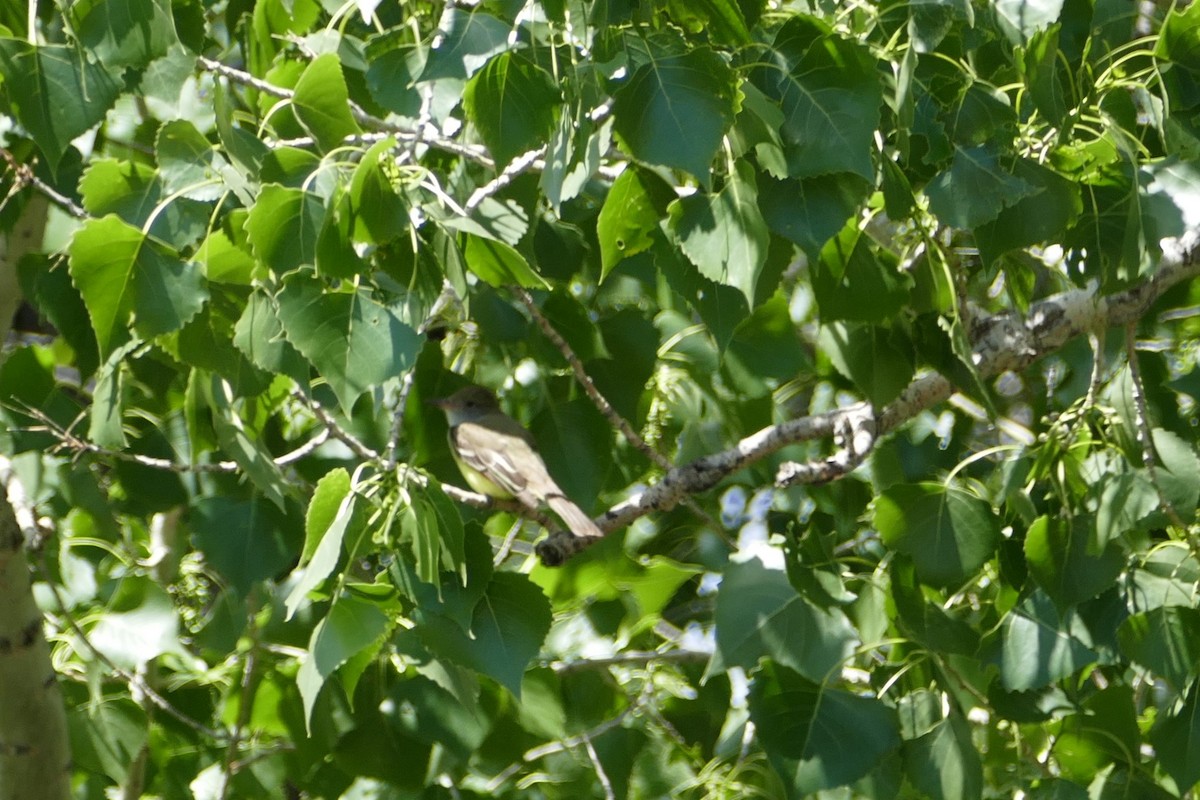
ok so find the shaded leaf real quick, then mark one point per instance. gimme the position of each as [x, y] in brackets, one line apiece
[507, 630]
[512, 102]
[1066, 560]
[352, 625]
[948, 532]
[724, 234]
[55, 92]
[816, 737]
[128, 280]
[759, 614]
[674, 111]
[322, 102]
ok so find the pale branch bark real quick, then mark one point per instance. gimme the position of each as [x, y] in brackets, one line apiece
[424, 136]
[27, 525]
[1002, 342]
[601, 403]
[35, 757]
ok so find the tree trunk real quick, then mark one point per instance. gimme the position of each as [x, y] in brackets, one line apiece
[34, 750]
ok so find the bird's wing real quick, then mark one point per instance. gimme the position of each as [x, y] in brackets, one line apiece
[507, 459]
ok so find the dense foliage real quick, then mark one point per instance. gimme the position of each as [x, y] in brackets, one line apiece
[278, 227]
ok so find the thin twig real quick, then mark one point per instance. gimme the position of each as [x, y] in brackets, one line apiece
[510, 173]
[601, 775]
[23, 176]
[629, 658]
[601, 402]
[245, 696]
[390, 456]
[570, 743]
[506, 546]
[337, 431]
[585, 380]
[360, 116]
[1005, 341]
[1142, 424]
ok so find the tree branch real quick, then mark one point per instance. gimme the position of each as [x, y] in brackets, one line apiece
[1002, 342]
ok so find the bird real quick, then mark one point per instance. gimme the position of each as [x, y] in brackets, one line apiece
[498, 458]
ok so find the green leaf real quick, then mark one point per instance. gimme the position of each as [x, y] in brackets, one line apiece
[828, 89]
[469, 39]
[392, 73]
[870, 356]
[225, 260]
[1105, 730]
[124, 33]
[431, 714]
[327, 552]
[1177, 40]
[354, 342]
[500, 264]
[944, 764]
[108, 402]
[107, 735]
[1040, 217]
[322, 103]
[512, 103]
[577, 443]
[415, 527]
[129, 280]
[378, 213]
[721, 308]
[759, 614]
[54, 92]
[1044, 75]
[245, 541]
[259, 335]
[819, 738]
[949, 533]
[189, 164]
[724, 234]
[630, 216]
[324, 506]
[1023, 18]
[975, 189]
[351, 626]
[721, 19]
[1178, 472]
[1066, 560]
[246, 447]
[132, 638]
[1036, 645]
[1127, 498]
[453, 597]
[1167, 576]
[507, 630]
[283, 227]
[1176, 740]
[1164, 640]
[136, 194]
[926, 621]
[852, 282]
[675, 110]
[810, 211]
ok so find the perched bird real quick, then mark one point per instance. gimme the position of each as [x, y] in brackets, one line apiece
[498, 458]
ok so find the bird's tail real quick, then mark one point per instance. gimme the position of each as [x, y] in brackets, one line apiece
[581, 524]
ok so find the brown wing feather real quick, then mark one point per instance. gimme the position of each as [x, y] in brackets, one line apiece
[507, 459]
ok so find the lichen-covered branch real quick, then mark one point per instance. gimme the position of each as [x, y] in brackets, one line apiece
[1001, 342]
